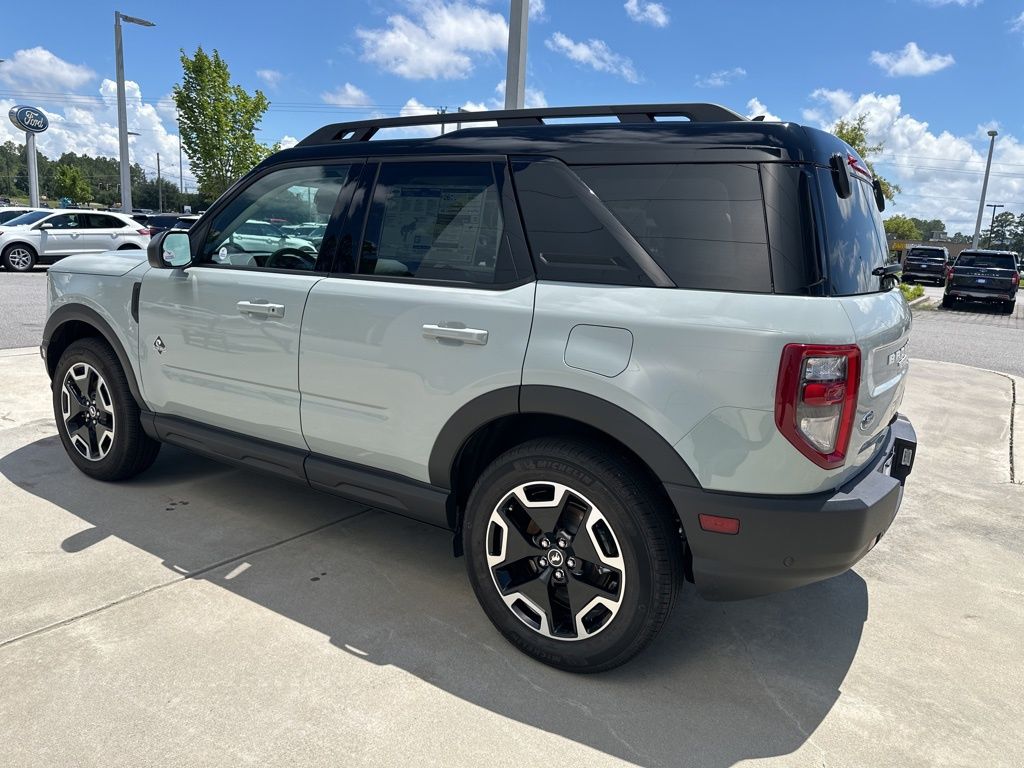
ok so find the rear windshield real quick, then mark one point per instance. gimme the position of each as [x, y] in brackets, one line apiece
[28, 218]
[855, 237]
[991, 260]
[926, 253]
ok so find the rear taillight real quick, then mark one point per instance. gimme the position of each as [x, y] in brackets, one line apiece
[949, 274]
[1016, 275]
[144, 231]
[816, 400]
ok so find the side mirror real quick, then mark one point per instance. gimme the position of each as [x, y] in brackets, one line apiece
[841, 176]
[45, 225]
[879, 196]
[171, 249]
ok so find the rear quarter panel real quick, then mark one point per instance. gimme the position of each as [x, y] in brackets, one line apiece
[702, 372]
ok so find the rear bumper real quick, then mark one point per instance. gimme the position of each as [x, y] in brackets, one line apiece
[786, 542]
[999, 294]
[940, 276]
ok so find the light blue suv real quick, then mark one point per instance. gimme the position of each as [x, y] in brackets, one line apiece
[609, 357]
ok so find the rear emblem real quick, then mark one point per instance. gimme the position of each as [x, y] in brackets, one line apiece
[867, 421]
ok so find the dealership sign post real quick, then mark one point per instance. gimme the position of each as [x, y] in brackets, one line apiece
[31, 121]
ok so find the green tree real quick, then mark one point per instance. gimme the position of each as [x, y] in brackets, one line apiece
[902, 228]
[1002, 230]
[68, 181]
[218, 122]
[854, 133]
[928, 227]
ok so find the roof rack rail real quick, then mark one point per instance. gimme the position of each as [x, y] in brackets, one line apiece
[363, 130]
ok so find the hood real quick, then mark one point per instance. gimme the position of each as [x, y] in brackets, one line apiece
[114, 263]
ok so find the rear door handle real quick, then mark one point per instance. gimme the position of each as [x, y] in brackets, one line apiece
[260, 308]
[463, 335]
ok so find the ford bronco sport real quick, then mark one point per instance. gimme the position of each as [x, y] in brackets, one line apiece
[609, 356]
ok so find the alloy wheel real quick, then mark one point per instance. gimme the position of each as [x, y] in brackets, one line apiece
[88, 411]
[19, 258]
[555, 561]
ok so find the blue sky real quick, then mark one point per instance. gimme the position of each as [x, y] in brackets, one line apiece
[932, 75]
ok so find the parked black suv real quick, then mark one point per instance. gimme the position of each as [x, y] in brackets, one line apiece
[983, 276]
[925, 262]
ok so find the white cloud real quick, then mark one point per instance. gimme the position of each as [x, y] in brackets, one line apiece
[346, 95]
[40, 69]
[961, 3]
[647, 13]
[1017, 23]
[537, 10]
[534, 99]
[89, 127]
[287, 142]
[755, 108]
[440, 42]
[720, 78]
[940, 173]
[270, 77]
[594, 53]
[911, 61]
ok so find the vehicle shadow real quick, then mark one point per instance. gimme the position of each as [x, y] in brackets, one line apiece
[972, 308]
[724, 682]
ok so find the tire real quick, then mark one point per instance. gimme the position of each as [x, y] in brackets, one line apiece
[948, 302]
[19, 257]
[615, 519]
[105, 439]
[129, 247]
[1009, 306]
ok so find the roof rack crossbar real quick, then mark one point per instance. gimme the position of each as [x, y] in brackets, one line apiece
[364, 130]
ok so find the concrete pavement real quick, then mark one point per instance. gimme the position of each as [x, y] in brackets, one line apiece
[202, 615]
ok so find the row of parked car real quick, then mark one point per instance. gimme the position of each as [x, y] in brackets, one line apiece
[974, 275]
[31, 236]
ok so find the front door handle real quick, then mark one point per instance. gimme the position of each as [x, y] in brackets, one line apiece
[462, 335]
[260, 308]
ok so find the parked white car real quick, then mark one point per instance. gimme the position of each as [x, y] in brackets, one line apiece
[44, 236]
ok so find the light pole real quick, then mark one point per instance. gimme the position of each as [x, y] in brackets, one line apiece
[993, 206]
[984, 188]
[122, 113]
[515, 73]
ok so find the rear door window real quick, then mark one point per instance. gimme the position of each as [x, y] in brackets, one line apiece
[855, 237]
[703, 223]
[437, 221]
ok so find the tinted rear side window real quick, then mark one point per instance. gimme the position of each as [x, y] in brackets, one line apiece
[702, 223]
[856, 242]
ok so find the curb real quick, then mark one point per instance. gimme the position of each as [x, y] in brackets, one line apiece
[918, 301]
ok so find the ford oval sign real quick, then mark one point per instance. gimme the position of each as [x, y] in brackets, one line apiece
[29, 119]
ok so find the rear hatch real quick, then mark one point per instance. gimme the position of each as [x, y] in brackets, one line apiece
[855, 250]
[981, 272]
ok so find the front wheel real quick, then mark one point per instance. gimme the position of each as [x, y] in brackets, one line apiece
[97, 416]
[573, 553]
[19, 258]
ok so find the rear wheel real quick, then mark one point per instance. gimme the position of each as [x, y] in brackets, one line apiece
[948, 301]
[19, 257]
[1009, 306]
[572, 552]
[97, 416]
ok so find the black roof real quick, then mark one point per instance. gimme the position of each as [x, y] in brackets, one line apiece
[712, 133]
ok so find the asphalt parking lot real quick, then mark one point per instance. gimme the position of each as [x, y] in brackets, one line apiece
[203, 615]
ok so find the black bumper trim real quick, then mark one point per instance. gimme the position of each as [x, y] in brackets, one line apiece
[789, 541]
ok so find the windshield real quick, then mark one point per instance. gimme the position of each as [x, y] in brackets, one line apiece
[990, 260]
[27, 218]
[856, 243]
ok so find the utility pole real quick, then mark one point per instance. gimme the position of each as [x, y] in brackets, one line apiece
[515, 74]
[159, 186]
[122, 109]
[442, 111]
[984, 188]
[991, 226]
[181, 172]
